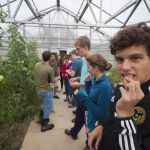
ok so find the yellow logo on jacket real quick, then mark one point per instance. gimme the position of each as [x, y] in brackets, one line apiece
[139, 115]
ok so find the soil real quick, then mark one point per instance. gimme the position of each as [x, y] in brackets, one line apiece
[22, 130]
[18, 137]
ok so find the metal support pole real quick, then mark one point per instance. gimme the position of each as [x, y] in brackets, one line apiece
[147, 5]
[100, 15]
[90, 34]
[92, 11]
[124, 8]
[8, 8]
[17, 9]
[31, 8]
[136, 5]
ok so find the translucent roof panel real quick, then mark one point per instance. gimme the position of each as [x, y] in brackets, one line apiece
[73, 5]
[43, 4]
[56, 24]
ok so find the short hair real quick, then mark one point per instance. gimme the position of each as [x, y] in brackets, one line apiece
[133, 35]
[99, 61]
[66, 57]
[46, 55]
[84, 42]
[73, 52]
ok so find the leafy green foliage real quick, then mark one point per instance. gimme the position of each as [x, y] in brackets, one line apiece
[2, 15]
[2, 19]
[113, 76]
[17, 90]
[18, 99]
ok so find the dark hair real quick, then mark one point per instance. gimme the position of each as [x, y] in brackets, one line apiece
[99, 61]
[46, 55]
[133, 35]
[66, 57]
[84, 42]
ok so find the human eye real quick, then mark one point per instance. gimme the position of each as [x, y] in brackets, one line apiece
[136, 58]
[119, 60]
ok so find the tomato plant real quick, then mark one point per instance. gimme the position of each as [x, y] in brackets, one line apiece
[18, 100]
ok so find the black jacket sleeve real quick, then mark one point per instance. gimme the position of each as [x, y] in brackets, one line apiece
[121, 133]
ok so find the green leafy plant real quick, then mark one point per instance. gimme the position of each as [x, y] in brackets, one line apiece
[2, 15]
[18, 99]
[113, 76]
[2, 19]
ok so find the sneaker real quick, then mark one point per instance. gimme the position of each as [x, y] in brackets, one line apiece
[55, 96]
[66, 99]
[74, 112]
[86, 148]
[47, 127]
[68, 132]
[40, 120]
[73, 120]
[70, 105]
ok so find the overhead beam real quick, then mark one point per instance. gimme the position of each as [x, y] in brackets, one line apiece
[8, 8]
[86, 23]
[68, 12]
[43, 12]
[31, 8]
[100, 14]
[58, 4]
[59, 24]
[55, 27]
[80, 7]
[124, 8]
[92, 11]
[17, 9]
[133, 10]
[147, 5]
[7, 3]
[84, 10]
[106, 12]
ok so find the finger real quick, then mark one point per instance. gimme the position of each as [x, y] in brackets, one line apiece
[97, 144]
[124, 81]
[91, 148]
[138, 87]
[90, 141]
[122, 90]
[132, 87]
[127, 80]
[139, 91]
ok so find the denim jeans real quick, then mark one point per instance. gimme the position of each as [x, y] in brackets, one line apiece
[46, 103]
[68, 88]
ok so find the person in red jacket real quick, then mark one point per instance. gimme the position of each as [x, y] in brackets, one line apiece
[65, 67]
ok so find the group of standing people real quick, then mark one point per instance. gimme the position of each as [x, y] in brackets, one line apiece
[93, 89]
[113, 121]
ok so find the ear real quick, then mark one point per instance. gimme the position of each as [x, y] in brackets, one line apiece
[95, 68]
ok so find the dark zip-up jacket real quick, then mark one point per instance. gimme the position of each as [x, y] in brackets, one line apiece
[131, 133]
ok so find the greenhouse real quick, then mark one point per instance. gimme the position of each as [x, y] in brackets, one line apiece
[56, 24]
[30, 27]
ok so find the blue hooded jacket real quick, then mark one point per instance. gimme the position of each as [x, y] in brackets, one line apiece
[97, 101]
